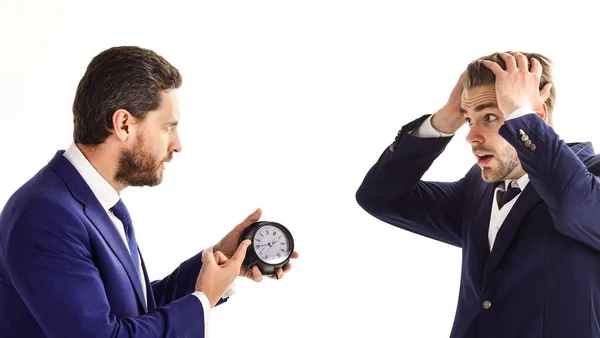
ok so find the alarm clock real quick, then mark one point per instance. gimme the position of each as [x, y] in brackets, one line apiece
[272, 246]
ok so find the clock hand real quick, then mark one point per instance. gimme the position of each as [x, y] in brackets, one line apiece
[275, 240]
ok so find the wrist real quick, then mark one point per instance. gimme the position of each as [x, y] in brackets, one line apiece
[209, 294]
[206, 303]
[509, 109]
[441, 121]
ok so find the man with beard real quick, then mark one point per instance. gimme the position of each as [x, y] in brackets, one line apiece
[69, 262]
[525, 216]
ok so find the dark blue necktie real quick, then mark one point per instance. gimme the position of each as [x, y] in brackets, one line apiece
[506, 196]
[123, 215]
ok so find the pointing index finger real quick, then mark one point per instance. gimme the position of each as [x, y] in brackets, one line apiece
[240, 253]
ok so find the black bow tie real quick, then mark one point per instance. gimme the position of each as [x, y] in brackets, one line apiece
[505, 196]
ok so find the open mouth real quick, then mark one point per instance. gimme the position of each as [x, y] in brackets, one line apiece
[484, 159]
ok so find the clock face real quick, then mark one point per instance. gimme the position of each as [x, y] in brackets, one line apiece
[271, 244]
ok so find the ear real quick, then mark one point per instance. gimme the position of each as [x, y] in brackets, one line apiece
[122, 121]
[543, 112]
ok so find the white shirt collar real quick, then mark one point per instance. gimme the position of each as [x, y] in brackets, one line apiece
[104, 192]
[520, 182]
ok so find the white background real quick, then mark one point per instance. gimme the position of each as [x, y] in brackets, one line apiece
[285, 106]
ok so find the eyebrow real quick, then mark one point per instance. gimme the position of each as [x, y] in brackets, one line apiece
[481, 107]
[173, 123]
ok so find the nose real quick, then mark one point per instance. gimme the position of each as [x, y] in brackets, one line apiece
[175, 145]
[474, 135]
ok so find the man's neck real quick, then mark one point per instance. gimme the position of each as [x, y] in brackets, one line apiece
[104, 160]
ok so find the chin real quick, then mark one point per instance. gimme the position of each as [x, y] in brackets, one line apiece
[489, 175]
[159, 178]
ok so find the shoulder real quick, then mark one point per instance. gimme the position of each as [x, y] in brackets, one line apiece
[43, 203]
[43, 189]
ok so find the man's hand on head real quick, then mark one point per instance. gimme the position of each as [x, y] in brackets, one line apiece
[517, 86]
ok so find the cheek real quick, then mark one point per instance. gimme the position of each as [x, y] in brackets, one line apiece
[157, 145]
[506, 151]
[492, 137]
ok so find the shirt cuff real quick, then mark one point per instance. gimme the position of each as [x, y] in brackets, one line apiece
[231, 290]
[426, 130]
[520, 112]
[205, 306]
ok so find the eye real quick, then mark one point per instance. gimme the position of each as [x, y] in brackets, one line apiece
[490, 118]
[469, 120]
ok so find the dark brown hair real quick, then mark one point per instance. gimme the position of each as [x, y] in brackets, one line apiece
[478, 75]
[126, 77]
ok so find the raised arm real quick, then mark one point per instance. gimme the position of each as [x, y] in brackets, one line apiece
[564, 182]
[393, 191]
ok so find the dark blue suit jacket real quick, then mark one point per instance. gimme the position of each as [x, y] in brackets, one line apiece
[65, 270]
[542, 278]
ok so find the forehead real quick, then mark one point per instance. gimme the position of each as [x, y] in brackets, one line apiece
[478, 95]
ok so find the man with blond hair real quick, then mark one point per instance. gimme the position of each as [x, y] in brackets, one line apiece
[525, 216]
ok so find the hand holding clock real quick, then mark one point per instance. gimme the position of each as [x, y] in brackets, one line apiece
[230, 243]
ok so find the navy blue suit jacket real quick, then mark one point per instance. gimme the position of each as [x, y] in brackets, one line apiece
[65, 270]
[542, 278]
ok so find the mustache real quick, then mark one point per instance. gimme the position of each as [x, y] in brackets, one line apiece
[168, 158]
[483, 150]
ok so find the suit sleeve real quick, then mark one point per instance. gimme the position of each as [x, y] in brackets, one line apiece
[180, 283]
[49, 261]
[570, 190]
[393, 192]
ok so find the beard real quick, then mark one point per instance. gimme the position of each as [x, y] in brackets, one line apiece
[139, 167]
[508, 165]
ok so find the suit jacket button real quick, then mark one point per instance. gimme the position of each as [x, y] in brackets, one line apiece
[532, 147]
[528, 143]
[487, 304]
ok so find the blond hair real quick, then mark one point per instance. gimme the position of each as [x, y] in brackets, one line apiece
[479, 75]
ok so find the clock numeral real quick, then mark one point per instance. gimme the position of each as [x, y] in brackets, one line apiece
[262, 234]
[280, 249]
[267, 232]
[278, 255]
[258, 239]
[274, 233]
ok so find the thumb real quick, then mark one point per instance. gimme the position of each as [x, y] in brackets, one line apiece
[208, 258]
[240, 253]
[252, 218]
[219, 258]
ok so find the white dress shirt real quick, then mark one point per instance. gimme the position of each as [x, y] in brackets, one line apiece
[497, 217]
[108, 197]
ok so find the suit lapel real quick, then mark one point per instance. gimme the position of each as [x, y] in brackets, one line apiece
[98, 216]
[480, 220]
[106, 228]
[528, 198]
[483, 222]
[149, 292]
